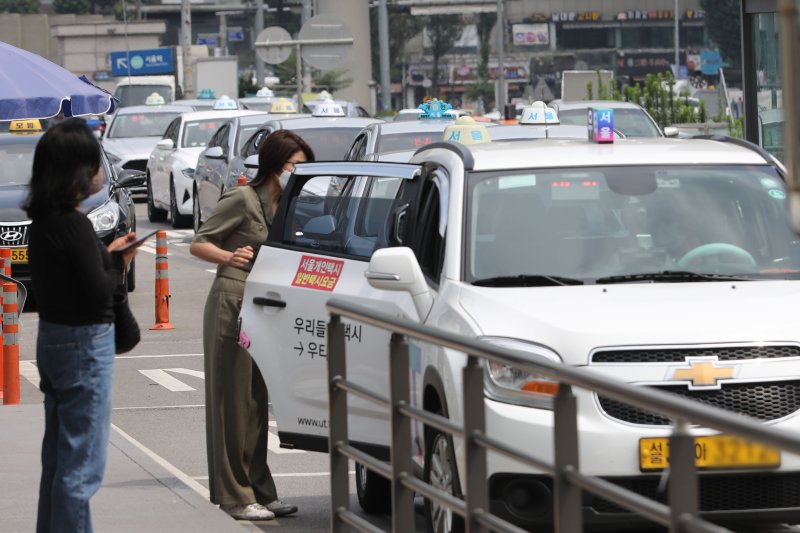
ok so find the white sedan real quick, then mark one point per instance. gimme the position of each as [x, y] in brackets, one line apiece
[171, 165]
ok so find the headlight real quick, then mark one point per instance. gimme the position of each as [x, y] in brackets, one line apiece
[105, 217]
[188, 172]
[113, 159]
[511, 385]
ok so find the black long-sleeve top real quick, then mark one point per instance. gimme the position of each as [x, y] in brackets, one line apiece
[72, 273]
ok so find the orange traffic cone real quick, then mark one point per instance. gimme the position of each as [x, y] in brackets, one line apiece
[5, 268]
[162, 283]
[10, 346]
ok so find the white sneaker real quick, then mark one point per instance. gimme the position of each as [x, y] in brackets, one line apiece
[253, 511]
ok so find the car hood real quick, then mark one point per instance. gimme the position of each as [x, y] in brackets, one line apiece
[131, 148]
[575, 320]
[12, 198]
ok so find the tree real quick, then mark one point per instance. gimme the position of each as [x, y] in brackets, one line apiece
[723, 22]
[332, 80]
[19, 6]
[77, 7]
[482, 88]
[402, 27]
[444, 31]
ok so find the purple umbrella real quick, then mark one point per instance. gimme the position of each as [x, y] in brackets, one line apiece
[34, 87]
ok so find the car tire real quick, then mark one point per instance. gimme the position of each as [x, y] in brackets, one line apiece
[178, 220]
[130, 277]
[374, 491]
[196, 222]
[440, 471]
[154, 214]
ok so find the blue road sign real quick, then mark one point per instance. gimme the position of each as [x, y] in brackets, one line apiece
[235, 35]
[208, 39]
[142, 62]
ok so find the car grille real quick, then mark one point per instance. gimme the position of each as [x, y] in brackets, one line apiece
[14, 234]
[136, 164]
[679, 355]
[765, 401]
[719, 492]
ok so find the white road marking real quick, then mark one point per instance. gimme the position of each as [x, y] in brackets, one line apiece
[152, 407]
[163, 355]
[29, 371]
[148, 249]
[169, 467]
[160, 377]
[211, 270]
[298, 474]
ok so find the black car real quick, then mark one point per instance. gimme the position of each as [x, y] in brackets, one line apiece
[110, 210]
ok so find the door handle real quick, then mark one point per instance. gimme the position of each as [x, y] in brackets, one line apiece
[269, 302]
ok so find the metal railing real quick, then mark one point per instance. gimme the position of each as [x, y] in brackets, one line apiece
[681, 515]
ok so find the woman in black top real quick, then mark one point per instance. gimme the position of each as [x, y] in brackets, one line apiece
[73, 277]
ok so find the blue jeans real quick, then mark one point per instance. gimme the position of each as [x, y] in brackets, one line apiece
[76, 365]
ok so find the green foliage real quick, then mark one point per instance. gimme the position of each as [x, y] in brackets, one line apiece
[481, 89]
[246, 85]
[589, 90]
[736, 127]
[444, 31]
[402, 27]
[19, 6]
[602, 88]
[723, 24]
[702, 115]
[332, 80]
[77, 7]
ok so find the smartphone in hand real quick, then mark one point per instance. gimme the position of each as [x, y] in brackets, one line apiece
[136, 243]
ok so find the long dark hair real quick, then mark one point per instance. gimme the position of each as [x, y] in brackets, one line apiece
[273, 153]
[66, 159]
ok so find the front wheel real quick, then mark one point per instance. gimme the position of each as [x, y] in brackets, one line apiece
[178, 220]
[374, 491]
[441, 472]
[154, 214]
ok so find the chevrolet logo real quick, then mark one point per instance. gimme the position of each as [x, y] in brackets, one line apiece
[702, 373]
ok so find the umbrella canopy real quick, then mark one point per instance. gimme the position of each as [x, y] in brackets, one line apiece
[34, 87]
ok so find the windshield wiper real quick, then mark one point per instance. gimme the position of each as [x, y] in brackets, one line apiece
[670, 276]
[526, 280]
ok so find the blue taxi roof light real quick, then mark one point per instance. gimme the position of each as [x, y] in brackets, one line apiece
[601, 125]
[206, 94]
[434, 109]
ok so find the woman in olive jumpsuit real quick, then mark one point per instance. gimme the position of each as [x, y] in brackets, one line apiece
[236, 397]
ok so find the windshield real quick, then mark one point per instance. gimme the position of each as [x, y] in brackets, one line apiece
[616, 221]
[245, 132]
[407, 141]
[137, 94]
[631, 123]
[329, 144]
[140, 125]
[17, 163]
[199, 132]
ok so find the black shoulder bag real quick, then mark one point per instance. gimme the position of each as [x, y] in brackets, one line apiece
[126, 329]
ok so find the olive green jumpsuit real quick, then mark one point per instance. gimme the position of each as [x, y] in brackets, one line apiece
[236, 396]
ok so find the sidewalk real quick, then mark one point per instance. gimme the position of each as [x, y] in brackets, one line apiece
[137, 493]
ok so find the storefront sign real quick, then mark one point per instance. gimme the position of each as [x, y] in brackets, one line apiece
[576, 16]
[530, 34]
[710, 62]
[467, 73]
[641, 14]
[638, 64]
[694, 14]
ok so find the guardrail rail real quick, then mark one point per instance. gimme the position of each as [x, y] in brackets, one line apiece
[681, 515]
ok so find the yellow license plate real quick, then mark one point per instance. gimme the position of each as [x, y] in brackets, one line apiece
[714, 452]
[19, 255]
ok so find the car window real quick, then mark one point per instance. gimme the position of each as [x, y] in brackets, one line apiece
[171, 132]
[17, 163]
[397, 142]
[216, 139]
[252, 144]
[244, 134]
[341, 215]
[359, 149]
[223, 138]
[428, 241]
[198, 132]
[329, 144]
[630, 122]
[140, 125]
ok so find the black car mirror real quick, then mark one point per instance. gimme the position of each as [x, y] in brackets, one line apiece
[130, 178]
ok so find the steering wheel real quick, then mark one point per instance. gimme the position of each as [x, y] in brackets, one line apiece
[712, 249]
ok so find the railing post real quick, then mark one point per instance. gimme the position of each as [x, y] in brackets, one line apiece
[337, 423]
[682, 476]
[568, 498]
[402, 464]
[477, 490]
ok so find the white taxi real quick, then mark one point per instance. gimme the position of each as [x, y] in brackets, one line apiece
[662, 262]
[170, 167]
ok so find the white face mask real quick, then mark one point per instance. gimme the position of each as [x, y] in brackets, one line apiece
[283, 178]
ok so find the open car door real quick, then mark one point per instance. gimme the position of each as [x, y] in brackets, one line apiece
[331, 217]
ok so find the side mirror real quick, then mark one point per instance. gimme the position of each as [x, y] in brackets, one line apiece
[397, 269]
[130, 178]
[251, 162]
[166, 144]
[215, 152]
[670, 131]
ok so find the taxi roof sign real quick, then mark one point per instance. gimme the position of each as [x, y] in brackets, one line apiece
[282, 105]
[206, 94]
[155, 99]
[434, 109]
[538, 114]
[265, 91]
[601, 125]
[324, 95]
[466, 131]
[25, 127]
[224, 102]
[328, 108]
